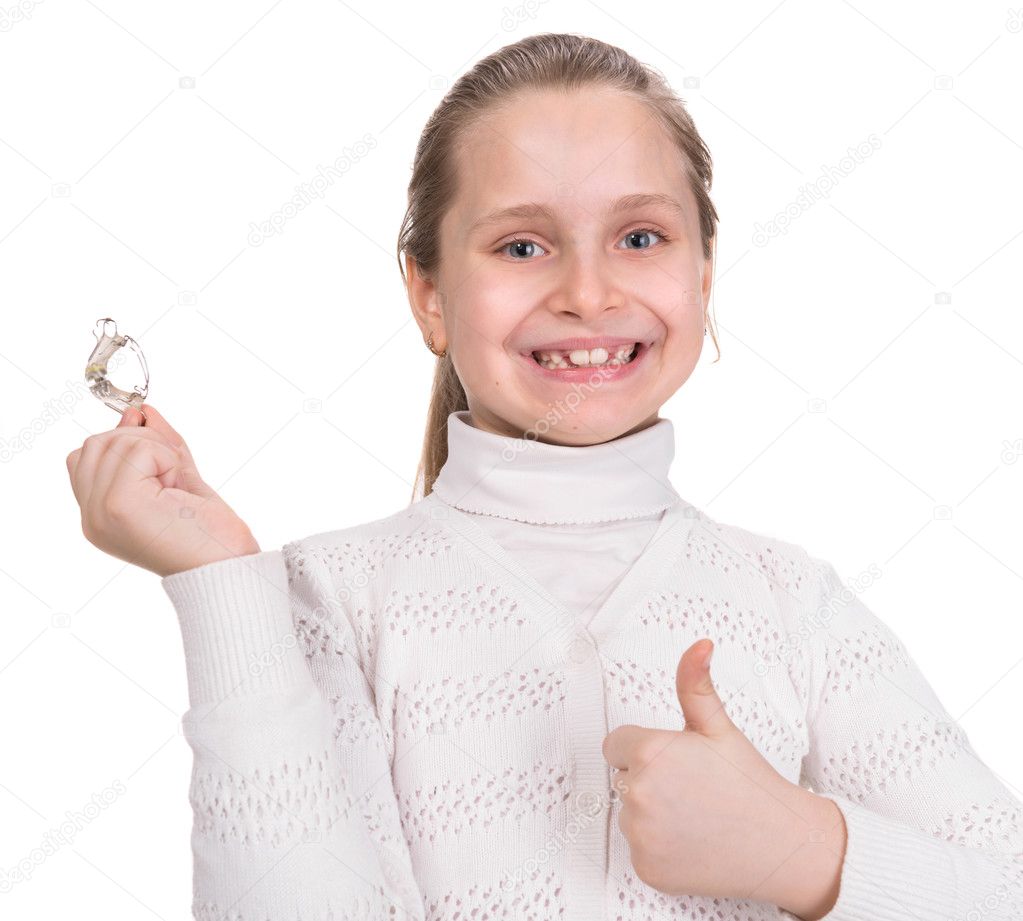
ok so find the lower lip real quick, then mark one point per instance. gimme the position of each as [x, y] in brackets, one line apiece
[605, 373]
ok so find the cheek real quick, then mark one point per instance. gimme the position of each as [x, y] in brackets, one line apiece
[488, 315]
[674, 297]
[480, 355]
[689, 312]
[479, 340]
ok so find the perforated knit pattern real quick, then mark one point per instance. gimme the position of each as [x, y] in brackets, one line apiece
[751, 630]
[453, 609]
[652, 690]
[996, 823]
[478, 699]
[274, 807]
[359, 908]
[890, 758]
[541, 899]
[713, 545]
[483, 799]
[442, 697]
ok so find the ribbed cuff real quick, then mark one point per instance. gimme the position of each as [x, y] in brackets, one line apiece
[893, 871]
[236, 627]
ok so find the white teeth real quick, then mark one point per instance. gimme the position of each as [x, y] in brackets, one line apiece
[555, 359]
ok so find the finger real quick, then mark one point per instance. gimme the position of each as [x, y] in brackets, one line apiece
[130, 417]
[83, 462]
[83, 475]
[620, 783]
[702, 708]
[128, 452]
[620, 744]
[156, 422]
[129, 475]
[191, 478]
[72, 463]
[89, 455]
[141, 471]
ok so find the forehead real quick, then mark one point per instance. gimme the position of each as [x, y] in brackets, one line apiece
[576, 150]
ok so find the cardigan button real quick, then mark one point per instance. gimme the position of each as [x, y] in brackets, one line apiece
[579, 650]
[392, 874]
[589, 803]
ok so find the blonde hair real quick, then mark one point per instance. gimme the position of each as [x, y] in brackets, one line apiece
[538, 62]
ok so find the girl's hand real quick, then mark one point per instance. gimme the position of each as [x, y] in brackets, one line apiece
[706, 814]
[143, 500]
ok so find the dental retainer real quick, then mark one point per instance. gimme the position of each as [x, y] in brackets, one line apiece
[109, 342]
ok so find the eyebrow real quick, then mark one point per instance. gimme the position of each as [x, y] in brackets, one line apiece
[529, 210]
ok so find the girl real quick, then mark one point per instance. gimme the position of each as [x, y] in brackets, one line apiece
[497, 703]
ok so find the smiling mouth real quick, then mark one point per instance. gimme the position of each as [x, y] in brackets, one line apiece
[561, 359]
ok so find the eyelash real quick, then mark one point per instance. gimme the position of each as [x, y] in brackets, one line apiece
[664, 239]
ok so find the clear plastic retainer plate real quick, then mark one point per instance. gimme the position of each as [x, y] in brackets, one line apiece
[108, 342]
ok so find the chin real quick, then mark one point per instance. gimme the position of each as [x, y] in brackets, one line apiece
[592, 425]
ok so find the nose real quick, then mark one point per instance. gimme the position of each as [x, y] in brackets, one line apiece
[586, 285]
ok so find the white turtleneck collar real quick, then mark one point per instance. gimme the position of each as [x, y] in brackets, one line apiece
[528, 480]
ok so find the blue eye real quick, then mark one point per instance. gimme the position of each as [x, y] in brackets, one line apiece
[519, 243]
[638, 232]
[644, 232]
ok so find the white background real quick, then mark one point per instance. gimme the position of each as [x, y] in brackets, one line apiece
[866, 406]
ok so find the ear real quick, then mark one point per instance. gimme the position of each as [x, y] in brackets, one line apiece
[427, 303]
[708, 278]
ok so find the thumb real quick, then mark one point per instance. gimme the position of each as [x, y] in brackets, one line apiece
[701, 706]
[130, 417]
[192, 480]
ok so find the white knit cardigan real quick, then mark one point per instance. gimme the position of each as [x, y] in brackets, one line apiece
[398, 720]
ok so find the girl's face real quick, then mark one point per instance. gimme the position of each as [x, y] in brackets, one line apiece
[587, 265]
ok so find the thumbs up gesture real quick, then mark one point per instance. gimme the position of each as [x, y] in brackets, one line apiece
[706, 814]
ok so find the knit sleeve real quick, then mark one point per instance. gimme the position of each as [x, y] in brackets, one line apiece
[291, 819]
[932, 833]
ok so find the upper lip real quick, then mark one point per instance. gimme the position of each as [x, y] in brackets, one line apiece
[595, 342]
